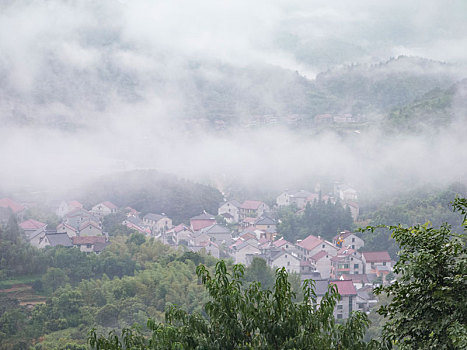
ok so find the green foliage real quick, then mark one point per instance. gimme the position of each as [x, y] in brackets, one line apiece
[320, 218]
[428, 308]
[151, 191]
[416, 206]
[247, 317]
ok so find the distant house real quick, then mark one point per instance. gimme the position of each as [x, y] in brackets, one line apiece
[133, 222]
[312, 245]
[8, 207]
[104, 208]
[322, 263]
[358, 280]
[347, 291]
[377, 262]
[347, 261]
[347, 239]
[244, 249]
[354, 209]
[252, 209]
[209, 248]
[182, 234]
[345, 193]
[77, 226]
[218, 234]
[33, 230]
[265, 223]
[201, 221]
[54, 239]
[90, 243]
[348, 302]
[287, 260]
[298, 198]
[159, 223]
[230, 210]
[66, 207]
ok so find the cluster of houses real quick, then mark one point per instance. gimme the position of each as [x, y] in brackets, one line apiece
[241, 231]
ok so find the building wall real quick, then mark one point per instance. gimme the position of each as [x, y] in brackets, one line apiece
[283, 199]
[230, 209]
[240, 256]
[90, 230]
[323, 266]
[291, 263]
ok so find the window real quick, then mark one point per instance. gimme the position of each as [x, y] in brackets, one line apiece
[323, 246]
[340, 307]
[355, 266]
[288, 263]
[384, 263]
[89, 246]
[353, 240]
[339, 316]
[353, 246]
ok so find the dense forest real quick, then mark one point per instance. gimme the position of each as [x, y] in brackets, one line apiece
[150, 191]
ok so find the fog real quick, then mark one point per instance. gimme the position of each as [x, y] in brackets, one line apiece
[89, 88]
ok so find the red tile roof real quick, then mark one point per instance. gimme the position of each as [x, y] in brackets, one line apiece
[9, 203]
[374, 257]
[280, 242]
[251, 205]
[109, 205]
[87, 240]
[310, 242]
[355, 278]
[197, 225]
[319, 255]
[345, 287]
[31, 224]
[75, 204]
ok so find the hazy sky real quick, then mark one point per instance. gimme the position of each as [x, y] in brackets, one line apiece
[117, 75]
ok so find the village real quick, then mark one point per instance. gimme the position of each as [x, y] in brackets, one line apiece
[241, 231]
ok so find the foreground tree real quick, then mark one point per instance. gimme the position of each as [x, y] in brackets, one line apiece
[239, 317]
[428, 307]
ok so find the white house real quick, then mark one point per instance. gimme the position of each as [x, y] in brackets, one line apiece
[347, 239]
[104, 208]
[285, 259]
[230, 210]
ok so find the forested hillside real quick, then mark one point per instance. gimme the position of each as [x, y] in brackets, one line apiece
[150, 191]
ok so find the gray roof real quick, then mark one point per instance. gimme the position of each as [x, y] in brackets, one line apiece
[321, 287]
[215, 229]
[204, 216]
[153, 217]
[100, 246]
[233, 202]
[265, 221]
[301, 194]
[134, 220]
[56, 239]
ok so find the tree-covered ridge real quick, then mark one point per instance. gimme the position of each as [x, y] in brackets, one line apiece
[320, 218]
[430, 112]
[150, 191]
[418, 206]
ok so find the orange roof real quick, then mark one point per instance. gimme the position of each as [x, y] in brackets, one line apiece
[31, 224]
[310, 242]
[9, 203]
[75, 204]
[345, 287]
[109, 205]
[377, 256]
